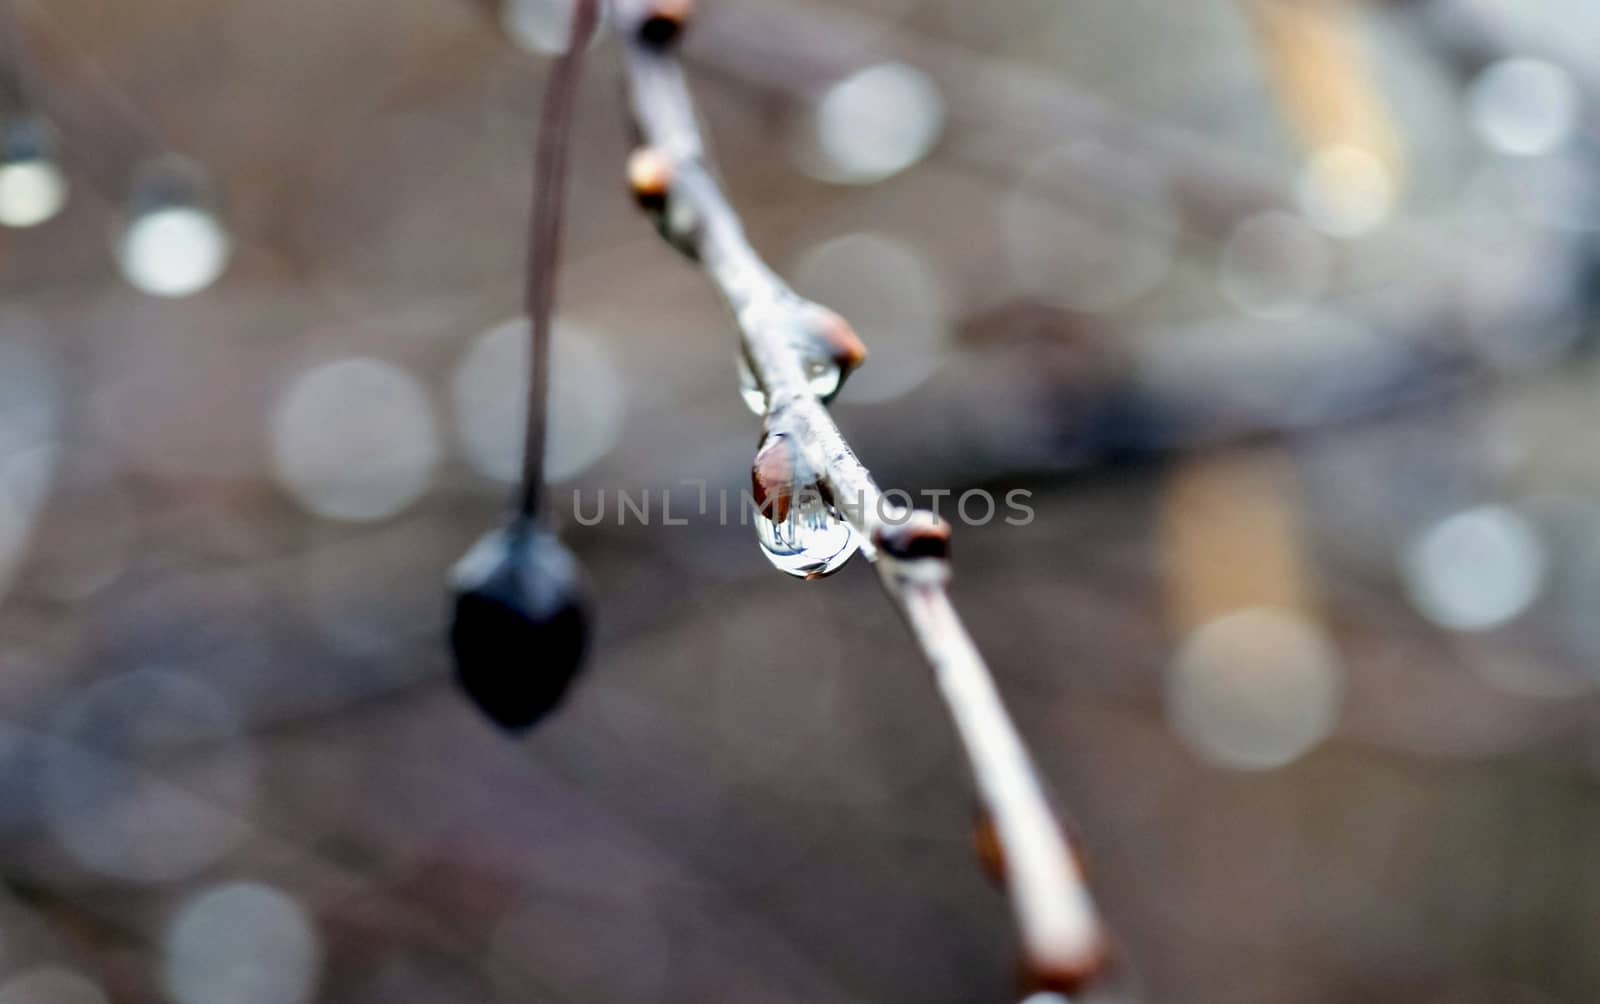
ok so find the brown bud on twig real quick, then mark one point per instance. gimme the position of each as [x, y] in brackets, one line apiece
[649, 178]
[772, 477]
[663, 22]
[839, 340]
[1068, 981]
[921, 534]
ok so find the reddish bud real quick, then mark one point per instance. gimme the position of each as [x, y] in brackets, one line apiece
[649, 178]
[920, 535]
[839, 339]
[772, 477]
[986, 841]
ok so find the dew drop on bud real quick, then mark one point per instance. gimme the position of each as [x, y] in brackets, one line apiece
[798, 530]
[520, 623]
[823, 374]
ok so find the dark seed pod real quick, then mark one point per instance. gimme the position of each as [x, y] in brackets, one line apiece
[921, 534]
[520, 624]
[664, 21]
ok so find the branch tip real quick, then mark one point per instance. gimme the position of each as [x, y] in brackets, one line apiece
[649, 178]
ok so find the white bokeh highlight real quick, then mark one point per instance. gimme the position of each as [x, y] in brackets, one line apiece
[354, 440]
[1346, 191]
[173, 251]
[489, 401]
[876, 123]
[32, 192]
[1524, 107]
[1475, 570]
[1255, 689]
[243, 943]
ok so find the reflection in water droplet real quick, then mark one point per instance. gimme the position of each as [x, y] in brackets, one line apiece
[799, 532]
[810, 543]
[243, 943]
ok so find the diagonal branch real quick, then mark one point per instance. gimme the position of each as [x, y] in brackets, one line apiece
[1063, 943]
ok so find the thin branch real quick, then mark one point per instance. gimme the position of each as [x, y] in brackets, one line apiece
[544, 240]
[13, 72]
[1063, 942]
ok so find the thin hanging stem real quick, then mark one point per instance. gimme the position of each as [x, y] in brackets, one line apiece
[544, 241]
[1064, 944]
[13, 71]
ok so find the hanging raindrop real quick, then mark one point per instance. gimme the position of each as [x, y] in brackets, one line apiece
[799, 529]
[823, 374]
[829, 349]
[520, 625]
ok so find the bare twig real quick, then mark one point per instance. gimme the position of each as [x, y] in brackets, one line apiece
[544, 240]
[1063, 943]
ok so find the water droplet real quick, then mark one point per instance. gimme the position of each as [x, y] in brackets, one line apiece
[800, 532]
[825, 380]
[520, 625]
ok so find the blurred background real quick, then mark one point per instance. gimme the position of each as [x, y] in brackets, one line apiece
[1282, 309]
